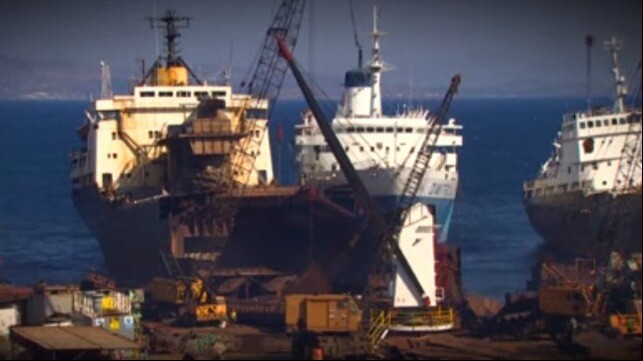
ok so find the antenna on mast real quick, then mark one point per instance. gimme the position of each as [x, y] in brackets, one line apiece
[171, 23]
[589, 41]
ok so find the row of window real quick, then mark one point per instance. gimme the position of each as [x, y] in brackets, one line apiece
[385, 130]
[181, 94]
[326, 149]
[606, 122]
[300, 132]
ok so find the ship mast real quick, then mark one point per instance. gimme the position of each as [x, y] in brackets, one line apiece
[171, 25]
[620, 90]
[376, 66]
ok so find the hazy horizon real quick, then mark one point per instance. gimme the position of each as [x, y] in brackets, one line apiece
[502, 48]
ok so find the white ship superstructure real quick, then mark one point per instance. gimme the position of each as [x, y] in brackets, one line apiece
[596, 159]
[382, 148]
[123, 155]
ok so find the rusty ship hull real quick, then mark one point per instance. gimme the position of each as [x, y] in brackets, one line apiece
[285, 229]
[578, 225]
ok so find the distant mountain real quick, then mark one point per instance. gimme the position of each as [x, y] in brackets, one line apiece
[45, 79]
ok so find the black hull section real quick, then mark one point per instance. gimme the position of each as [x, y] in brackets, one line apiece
[576, 225]
[286, 234]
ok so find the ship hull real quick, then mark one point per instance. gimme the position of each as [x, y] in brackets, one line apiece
[577, 225]
[386, 186]
[286, 234]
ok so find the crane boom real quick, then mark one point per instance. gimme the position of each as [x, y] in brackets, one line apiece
[421, 164]
[374, 215]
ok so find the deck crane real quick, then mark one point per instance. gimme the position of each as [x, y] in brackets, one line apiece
[223, 193]
[382, 229]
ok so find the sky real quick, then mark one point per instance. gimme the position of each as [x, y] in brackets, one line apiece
[501, 47]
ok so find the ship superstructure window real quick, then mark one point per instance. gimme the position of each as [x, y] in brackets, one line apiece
[183, 94]
[218, 93]
[369, 129]
[621, 121]
[113, 135]
[200, 95]
[598, 124]
[147, 94]
[150, 134]
[582, 125]
[590, 124]
[350, 130]
[379, 130]
[256, 113]
[614, 121]
[408, 130]
[389, 130]
[606, 122]
[360, 129]
[166, 94]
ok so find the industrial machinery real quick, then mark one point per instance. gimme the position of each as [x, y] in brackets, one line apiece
[408, 276]
[330, 324]
[185, 300]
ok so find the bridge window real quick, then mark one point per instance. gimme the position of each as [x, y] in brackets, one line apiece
[614, 121]
[420, 130]
[590, 124]
[606, 122]
[360, 129]
[621, 121]
[582, 125]
[399, 130]
[379, 130]
[166, 94]
[598, 124]
[389, 130]
[369, 129]
[350, 130]
[200, 95]
[408, 130]
[256, 113]
[146, 94]
[183, 94]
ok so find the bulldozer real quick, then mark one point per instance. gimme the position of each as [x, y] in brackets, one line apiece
[185, 301]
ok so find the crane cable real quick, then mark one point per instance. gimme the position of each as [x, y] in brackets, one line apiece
[355, 37]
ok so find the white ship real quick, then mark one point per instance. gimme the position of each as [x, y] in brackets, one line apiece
[587, 195]
[119, 176]
[382, 147]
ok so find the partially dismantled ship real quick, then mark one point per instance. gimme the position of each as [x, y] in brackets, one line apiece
[586, 198]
